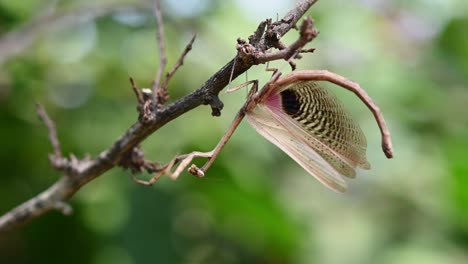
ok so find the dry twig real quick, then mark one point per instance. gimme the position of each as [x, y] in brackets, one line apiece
[137, 91]
[41, 112]
[179, 63]
[159, 92]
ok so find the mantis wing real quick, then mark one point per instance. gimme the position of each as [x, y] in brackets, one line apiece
[269, 127]
[312, 127]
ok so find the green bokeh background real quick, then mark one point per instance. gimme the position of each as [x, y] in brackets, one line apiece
[255, 205]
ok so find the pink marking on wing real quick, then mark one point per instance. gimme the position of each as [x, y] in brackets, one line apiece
[273, 101]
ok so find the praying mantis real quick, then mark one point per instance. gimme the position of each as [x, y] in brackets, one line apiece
[304, 120]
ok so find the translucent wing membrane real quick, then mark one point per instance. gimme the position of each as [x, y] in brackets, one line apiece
[309, 123]
[261, 120]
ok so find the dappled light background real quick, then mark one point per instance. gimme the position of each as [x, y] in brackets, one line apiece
[255, 204]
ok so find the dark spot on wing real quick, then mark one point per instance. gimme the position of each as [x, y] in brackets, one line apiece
[290, 102]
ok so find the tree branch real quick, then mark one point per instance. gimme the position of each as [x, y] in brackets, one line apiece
[86, 170]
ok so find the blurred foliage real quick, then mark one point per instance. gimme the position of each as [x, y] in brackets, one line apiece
[255, 205]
